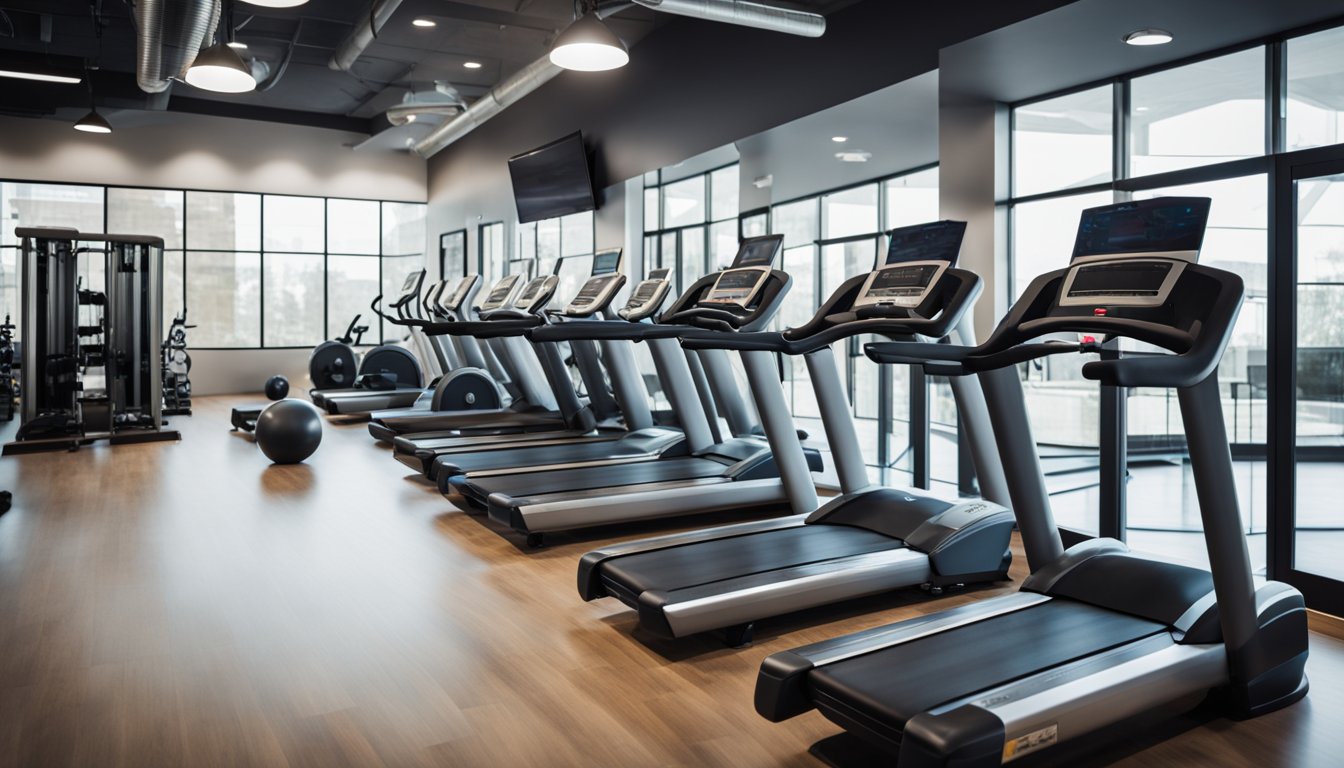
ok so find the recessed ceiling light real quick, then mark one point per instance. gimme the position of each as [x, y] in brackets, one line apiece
[44, 77]
[424, 23]
[839, 139]
[237, 46]
[854, 156]
[1150, 36]
[472, 64]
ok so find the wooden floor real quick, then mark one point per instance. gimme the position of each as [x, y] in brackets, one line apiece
[186, 604]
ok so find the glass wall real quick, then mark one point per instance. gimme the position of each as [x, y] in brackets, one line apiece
[690, 225]
[253, 270]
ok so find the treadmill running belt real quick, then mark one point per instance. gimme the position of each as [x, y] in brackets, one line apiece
[588, 478]
[718, 559]
[536, 455]
[427, 421]
[884, 689]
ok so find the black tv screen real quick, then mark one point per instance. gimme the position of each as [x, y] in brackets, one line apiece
[552, 180]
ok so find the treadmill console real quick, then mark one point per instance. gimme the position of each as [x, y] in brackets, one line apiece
[740, 283]
[647, 297]
[536, 294]
[601, 287]
[917, 257]
[500, 293]
[1132, 254]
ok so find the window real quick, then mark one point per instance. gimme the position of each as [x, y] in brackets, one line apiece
[690, 225]
[293, 224]
[576, 234]
[1315, 90]
[1207, 112]
[1063, 142]
[684, 202]
[1043, 234]
[155, 212]
[353, 226]
[911, 199]
[223, 298]
[352, 282]
[25, 204]
[223, 221]
[490, 251]
[849, 212]
[723, 193]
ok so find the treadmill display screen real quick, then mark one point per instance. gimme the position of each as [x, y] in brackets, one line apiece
[606, 262]
[901, 282]
[412, 282]
[460, 293]
[643, 293]
[530, 292]
[737, 286]
[758, 251]
[659, 274]
[1131, 279]
[591, 290]
[500, 293]
[939, 241]
[1148, 226]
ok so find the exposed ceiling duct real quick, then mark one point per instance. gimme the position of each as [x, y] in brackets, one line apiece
[380, 11]
[170, 34]
[744, 14]
[525, 81]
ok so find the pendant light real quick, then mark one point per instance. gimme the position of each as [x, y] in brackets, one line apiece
[93, 122]
[588, 45]
[219, 68]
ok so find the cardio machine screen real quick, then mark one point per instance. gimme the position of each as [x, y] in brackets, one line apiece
[1135, 279]
[1164, 224]
[901, 282]
[606, 262]
[500, 293]
[412, 281]
[530, 292]
[460, 293]
[938, 241]
[658, 274]
[591, 290]
[737, 286]
[758, 251]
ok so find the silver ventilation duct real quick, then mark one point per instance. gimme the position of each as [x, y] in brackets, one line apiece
[525, 81]
[171, 33]
[402, 114]
[359, 38]
[744, 14]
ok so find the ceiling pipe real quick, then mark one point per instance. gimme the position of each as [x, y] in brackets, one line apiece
[746, 14]
[402, 114]
[171, 33]
[525, 81]
[378, 14]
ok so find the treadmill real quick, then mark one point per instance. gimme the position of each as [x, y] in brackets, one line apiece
[868, 540]
[635, 434]
[1098, 635]
[745, 471]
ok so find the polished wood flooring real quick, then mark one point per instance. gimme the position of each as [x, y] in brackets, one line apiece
[186, 604]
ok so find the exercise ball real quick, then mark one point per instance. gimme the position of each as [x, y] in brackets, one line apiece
[289, 431]
[277, 387]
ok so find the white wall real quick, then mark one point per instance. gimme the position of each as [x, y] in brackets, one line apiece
[185, 151]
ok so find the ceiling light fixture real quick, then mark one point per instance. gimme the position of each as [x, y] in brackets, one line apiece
[839, 139]
[1150, 36]
[1141, 109]
[424, 23]
[219, 68]
[45, 77]
[237, 46]
[854, 156]
[276, 3]
[588, 45]
[93, 123]
[472, 64]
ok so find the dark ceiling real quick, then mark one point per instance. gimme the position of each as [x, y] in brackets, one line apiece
[501, 35]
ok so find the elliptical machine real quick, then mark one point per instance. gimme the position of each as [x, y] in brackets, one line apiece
[333, 363]
[176, 365]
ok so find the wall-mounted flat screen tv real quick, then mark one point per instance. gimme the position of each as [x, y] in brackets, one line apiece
[552, 180]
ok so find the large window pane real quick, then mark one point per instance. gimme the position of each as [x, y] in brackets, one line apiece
[224, 297]
[548, 243]
[491, 252]
[796, 221]
[293, 224]
[527, 240]
[692, 255]
[576, 234]
[352, 282]
[154, 212]
[755, 225]
[292, 299]
[1316, 89]
[1062, 142]
[404, 229]
[651, 209]
[684, 202]
[912, 199]
[223, 221]
[352, 226]
[49, 205]
[849, 212]
[1044, 232]
[1202, 113]
[173, 297]
[722, 243]
[723, 193]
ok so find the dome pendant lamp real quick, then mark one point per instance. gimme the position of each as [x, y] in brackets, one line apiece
[219, 68]
[588, 45]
